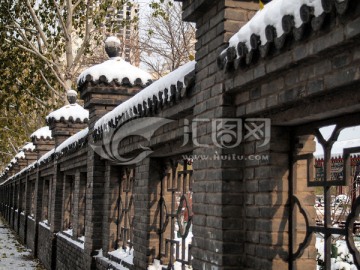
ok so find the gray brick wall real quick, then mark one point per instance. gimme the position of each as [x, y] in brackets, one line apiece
[45, 248]
[69, 256]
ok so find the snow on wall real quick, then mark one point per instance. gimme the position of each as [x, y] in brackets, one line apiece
[124, 255]
[42, 133]
[76, 243]
[69, 112]
[153, 89]
[72, 140]
[20, 155]
[28, 147]
[46, 156]
[115, 68]
[272, 14]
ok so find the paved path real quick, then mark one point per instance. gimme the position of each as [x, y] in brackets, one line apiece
[14, 255]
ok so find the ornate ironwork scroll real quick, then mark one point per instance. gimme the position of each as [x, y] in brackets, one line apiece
[175, 217]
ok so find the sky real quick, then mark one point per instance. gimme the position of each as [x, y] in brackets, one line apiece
[349, 137]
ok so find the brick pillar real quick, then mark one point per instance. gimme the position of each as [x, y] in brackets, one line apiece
[67, 120]
[100, 96]
[219, 198]
[30, 153]
[43, 145]
[266, 202]
[39, 182]
[94, 205]
[22, 162]
[13, 204]
[148, 176]
[56, 197]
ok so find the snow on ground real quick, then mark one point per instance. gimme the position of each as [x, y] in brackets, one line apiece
[13, 255]
[343, 261]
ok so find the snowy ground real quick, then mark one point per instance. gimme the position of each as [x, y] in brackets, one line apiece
[14, 255]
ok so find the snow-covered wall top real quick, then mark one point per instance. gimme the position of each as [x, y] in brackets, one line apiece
[155, 89]
[114, 69]
[72, 141]
[20, 155]
[46, 156]
[42, 133]
[71, 112]
[13, 161]
[31, 166]
[28, 147]
[272, 25]
[271, 14]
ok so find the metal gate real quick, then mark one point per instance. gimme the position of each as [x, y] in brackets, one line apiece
[327, 178]
[175, 213]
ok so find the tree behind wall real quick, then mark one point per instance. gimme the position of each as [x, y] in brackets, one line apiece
[167, 42]
[44, 45]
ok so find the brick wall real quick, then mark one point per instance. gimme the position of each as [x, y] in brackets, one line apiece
[68, 255]
[218, 189]
[30, 234]
[22, 228]
[46, 249]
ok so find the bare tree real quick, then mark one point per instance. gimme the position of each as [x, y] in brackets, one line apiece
[167, 42]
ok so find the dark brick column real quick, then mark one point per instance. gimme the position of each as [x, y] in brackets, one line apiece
[218, 200]
[39, 182]
[43, 145]
[67, 125]
[94, 205]
[146, 190]
[56, 203]
[266, 202]
[100, 97]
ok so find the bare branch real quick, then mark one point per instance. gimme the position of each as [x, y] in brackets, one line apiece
[88, 26]
[13, 147]
[48, 84]
[77, 3]
[37, 23]
[60, 18]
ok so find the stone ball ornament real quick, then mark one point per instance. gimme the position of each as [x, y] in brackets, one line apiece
[112, 46]
[71, 96]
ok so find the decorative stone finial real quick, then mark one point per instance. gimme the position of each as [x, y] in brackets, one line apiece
[112, 46]
[71, 96]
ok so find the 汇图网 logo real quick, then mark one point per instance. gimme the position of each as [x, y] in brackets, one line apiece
[225, 133]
